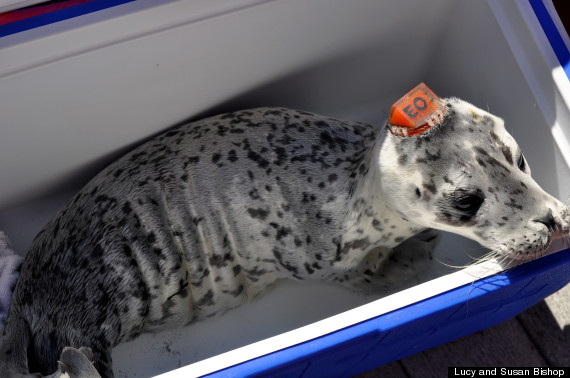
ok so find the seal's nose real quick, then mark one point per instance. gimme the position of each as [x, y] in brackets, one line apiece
[547, 220]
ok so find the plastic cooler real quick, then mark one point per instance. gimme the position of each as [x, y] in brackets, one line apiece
[78, 89]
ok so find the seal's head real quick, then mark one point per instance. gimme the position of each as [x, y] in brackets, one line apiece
[464, 173]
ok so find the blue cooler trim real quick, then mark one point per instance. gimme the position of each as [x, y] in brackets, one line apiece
[552, 34]
[59, 15]
[412, 329]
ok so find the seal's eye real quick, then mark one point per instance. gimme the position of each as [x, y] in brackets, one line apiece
[460, 206]
[521, 163]
[468, 204]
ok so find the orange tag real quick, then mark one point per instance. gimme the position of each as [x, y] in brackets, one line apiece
[416, 112]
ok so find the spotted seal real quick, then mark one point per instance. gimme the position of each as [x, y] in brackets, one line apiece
[211, 214]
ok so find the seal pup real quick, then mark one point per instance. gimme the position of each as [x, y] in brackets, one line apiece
[211, 214]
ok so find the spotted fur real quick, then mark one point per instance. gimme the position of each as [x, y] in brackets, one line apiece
[211, 214]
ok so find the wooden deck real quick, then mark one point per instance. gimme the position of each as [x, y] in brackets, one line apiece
[538, 337]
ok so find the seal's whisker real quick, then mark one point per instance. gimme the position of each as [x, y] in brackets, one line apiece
[492, 254]
[467, 252]
[452, 266]
[486, 257]
[475, 258]
[479, 260]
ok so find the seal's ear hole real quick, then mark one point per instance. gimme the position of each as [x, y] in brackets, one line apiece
[418, 193]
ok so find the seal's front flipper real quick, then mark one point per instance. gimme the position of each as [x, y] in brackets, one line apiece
[384, 270]
[77, 363]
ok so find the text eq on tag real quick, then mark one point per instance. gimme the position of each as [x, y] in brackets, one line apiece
[416, 112]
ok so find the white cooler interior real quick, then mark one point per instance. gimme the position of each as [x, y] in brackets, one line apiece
[79, 97]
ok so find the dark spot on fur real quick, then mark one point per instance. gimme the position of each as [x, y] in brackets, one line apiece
[487, 121]
[309, 269]
[282, 232]
[481, 162]
[254, 194]
[377, 225]
[232, 157]
[217, 261]
[308, 197]
[508, 154]
[206, 300]
[513, 204]
[258, 213]
[343, 249]
[261, 162]
[237, 270]
[281, 154]
[191, 160]
[430, 186]
[481, 151]
[283, 263]
[151, 237]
